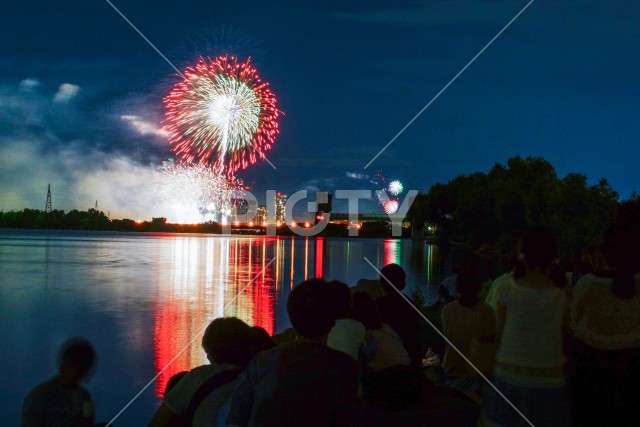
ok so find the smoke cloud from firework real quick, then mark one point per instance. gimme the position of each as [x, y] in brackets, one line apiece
[197, 193]
[42, 135]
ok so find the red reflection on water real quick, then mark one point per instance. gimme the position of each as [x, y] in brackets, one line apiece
[319, 254]
[208, 278]
[391, 252]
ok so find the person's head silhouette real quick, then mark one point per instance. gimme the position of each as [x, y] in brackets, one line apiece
[395, 274]
[227, 340]
[76, 360]
[312, 309]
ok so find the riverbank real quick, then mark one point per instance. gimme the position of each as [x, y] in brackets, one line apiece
[94, 220]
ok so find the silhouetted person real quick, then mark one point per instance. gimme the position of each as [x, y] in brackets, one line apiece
[173, 381]
[583, 267]
[447, 289]
[388, 381]
[384, 347]
[347, 335]
[285, 337]
[504, 280]
[371, 287]
[201, 397]
[304, 383]
[606, 313]
[468, 323]
[398, 313]
[531, 318]
[260, 340]
[62, 401]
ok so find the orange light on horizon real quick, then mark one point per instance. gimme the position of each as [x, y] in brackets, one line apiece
[250, 223]
[307, 225]
[293, 225]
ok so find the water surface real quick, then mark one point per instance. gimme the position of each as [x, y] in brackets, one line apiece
[144, 298]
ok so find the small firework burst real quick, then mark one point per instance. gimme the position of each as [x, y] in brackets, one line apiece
[395, 187]
[391, 207]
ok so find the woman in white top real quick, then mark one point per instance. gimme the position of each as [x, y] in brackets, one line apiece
[606, 314]
[531, 317]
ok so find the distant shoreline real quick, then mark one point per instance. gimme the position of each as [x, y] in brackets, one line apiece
[205, 233]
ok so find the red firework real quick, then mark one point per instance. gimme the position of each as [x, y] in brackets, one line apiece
[221, 115]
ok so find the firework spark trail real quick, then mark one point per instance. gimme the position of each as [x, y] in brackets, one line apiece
[222, 114]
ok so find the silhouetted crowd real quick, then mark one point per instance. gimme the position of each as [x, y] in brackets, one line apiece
[546, 348]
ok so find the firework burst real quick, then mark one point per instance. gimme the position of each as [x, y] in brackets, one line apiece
[395, 187]
[197, 192]
[221, 115]
[391, 207]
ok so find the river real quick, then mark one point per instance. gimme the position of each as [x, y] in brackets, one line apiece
[143, 298]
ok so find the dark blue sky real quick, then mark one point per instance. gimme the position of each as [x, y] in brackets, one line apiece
[560, 83]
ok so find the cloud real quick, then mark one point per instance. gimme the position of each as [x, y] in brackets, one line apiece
[28, 85]
[356, 175]
[39, 146]
[144, 127]
[66, 92]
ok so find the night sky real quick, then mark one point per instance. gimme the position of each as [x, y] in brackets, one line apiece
[81, 92]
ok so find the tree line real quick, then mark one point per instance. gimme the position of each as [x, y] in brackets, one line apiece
[494, 208]
[93, 220]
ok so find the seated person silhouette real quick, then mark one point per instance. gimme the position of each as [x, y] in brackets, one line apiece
[201, 396]
[62, 401]
[301, 383]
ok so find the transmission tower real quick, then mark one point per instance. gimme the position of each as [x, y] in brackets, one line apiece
[48, 207]
[96, 205]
